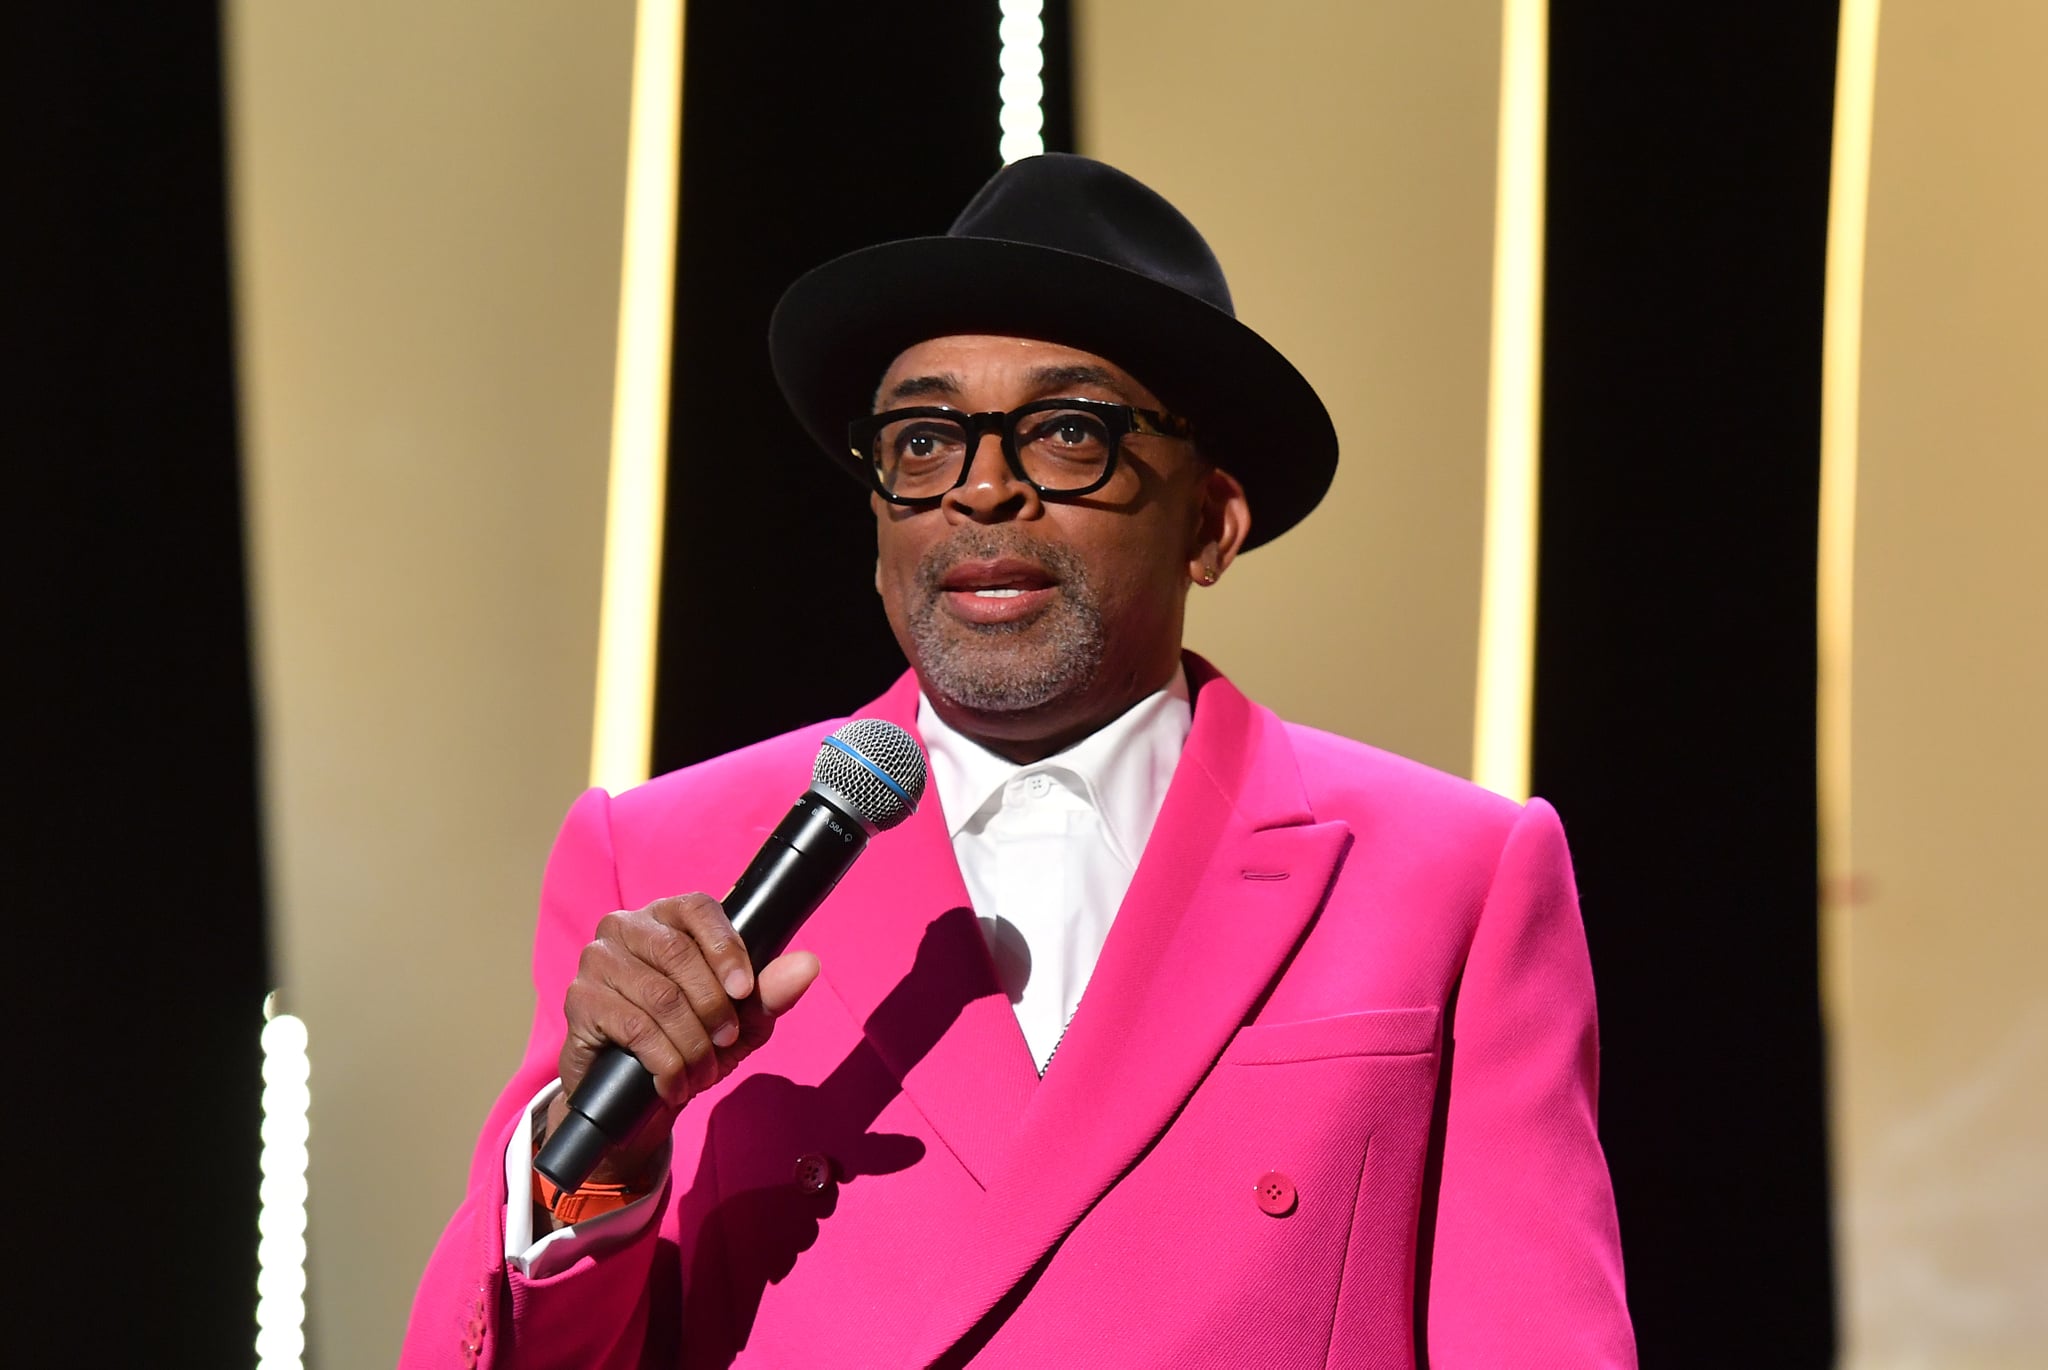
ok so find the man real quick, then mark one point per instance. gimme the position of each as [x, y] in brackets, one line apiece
[1328, 1097]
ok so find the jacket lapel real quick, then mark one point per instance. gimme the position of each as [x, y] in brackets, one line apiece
[1235, 870]
[905, 955]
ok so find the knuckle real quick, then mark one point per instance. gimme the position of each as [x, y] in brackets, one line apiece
[665, 998]
[672, 911]
[598, 959]
[609, 927]
[634, 1031]
[705, 915]
[676, 954]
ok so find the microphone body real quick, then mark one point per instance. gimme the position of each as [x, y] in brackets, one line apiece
[800, 863]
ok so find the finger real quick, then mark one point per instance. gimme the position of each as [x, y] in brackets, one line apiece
[598, 1016]
[693, 997]
[661, 1010]
[783, 982]
[703, 918]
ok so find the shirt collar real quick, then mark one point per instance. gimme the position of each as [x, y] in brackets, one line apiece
[1125, 766]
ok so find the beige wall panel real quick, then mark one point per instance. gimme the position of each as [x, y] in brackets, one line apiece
[1340, 159]
[1942, 1108]
[427, 207]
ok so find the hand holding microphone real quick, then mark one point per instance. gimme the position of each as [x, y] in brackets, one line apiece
[653, 982]
[664, 1004]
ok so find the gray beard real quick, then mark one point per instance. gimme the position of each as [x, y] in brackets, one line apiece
[1007, 667]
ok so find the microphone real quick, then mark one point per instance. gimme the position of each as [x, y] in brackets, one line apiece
[868, 777]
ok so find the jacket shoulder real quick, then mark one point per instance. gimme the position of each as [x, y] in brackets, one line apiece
[1352, 780]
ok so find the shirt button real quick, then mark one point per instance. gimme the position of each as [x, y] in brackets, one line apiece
[1038, 786]
[813, 1173]
[1275, 1194]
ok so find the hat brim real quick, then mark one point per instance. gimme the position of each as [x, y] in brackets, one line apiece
[838, 328]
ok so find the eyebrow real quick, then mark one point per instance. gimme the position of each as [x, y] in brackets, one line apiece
[942, 386]
[1046, 379]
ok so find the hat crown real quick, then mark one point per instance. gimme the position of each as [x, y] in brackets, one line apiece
[1079, 205]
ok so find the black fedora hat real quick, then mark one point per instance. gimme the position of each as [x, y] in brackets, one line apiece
[1066, 250]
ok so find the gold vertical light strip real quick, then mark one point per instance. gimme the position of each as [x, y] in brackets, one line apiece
[1841, 376]
[1507, 603]
[623, 732]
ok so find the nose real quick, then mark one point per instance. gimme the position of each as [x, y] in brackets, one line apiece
[992, 492]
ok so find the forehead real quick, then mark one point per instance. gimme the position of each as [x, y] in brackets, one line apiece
[994, 371]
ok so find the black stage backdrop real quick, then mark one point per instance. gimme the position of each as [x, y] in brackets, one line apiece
[808, 131]
[1674, 724]
[132, 882]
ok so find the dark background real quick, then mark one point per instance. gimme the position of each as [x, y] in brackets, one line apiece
[132, 862]
[1675, 663]
[1675, 650]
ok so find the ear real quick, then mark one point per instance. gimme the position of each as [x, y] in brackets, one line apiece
[1223, 521]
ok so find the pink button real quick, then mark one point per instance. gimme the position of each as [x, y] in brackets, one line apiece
[1275, 1194]
[813, 1173]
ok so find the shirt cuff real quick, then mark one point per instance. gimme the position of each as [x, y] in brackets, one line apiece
[558, 1250]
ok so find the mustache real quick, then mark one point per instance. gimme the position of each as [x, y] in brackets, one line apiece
[992, 544]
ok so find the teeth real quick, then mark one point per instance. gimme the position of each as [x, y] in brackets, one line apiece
[997, 594]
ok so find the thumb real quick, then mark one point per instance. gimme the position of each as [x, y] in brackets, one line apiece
[784, 980]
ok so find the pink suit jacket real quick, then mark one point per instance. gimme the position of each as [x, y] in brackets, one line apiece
[1333, 966]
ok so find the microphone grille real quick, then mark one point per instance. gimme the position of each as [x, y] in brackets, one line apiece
[875, 767]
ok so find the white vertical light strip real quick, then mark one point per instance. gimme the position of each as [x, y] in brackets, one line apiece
[281, 1201]
[1507, 596]
[1023, 86]
[622, 733]
[1840, 398]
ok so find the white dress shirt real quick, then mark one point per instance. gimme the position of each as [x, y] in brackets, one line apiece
[1047, 851]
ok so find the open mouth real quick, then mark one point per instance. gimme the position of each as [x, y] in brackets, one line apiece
[1001, 578]
[996, 591]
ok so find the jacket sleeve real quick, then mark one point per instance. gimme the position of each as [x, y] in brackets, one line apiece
[471, 1309]
[1524, 1257]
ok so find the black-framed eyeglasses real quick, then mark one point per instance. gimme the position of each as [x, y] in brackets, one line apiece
[1059, 447]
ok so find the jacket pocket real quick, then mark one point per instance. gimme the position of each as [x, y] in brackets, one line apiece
[1377, 1032]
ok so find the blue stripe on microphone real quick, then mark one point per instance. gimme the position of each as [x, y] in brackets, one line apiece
[876, 771]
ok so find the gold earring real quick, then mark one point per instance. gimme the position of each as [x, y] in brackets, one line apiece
[1208, 576]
